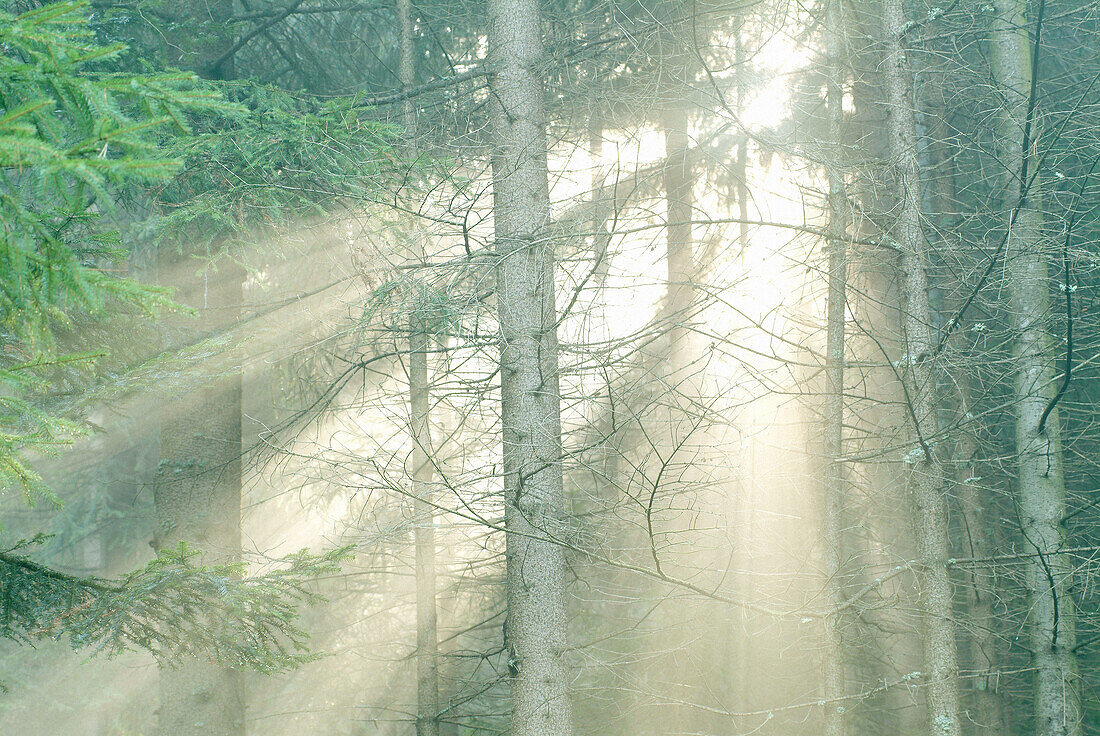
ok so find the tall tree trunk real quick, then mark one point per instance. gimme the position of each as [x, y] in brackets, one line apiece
[925, 474]
[197, 488]
[607, 453]
[1041, 492]
[427, 643]
[988, 716]
[534, 504]
[197, 495]
[678, 185]
[966, 486]
[976, 516]
[743, 514]
[602, 204]
[835, 491]
[741, 158]
[427, 639]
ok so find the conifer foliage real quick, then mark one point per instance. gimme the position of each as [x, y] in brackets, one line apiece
[75, 138]
[171, 607]
[70, 136]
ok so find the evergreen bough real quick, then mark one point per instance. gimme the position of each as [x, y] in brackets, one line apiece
[77, 136]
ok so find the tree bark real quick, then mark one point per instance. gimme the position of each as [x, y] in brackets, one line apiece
[1041, 491]
[197, 488]
[427, 643]
[988, 716]
[741, 158]
[534, 504]
[679, 186]
[741, 639]
[984, 657]
[925, 474]
[427, 639]
[197, 495]
[835, 491]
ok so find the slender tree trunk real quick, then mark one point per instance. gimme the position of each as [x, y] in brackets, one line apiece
[743, 513]
[1041, 493]
[741, 158]
[925, 475]
[988, 716]
[678, 185]
[197, 495]
[977, 521]
[427, 645]
[534, 504]
[427, 640]
[607, 454]
[602, 205]
[608, 451]
[835, 490]
[197, 488]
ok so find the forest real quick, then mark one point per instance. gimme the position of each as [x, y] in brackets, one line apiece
[550, 367]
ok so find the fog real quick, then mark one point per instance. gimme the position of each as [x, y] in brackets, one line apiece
[651, 370]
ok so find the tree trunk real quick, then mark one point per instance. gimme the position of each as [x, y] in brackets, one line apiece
[835, 491]
[197, 488]
[742, 515]
[678, 185]
[1041, 493]
[534, 504]
[427, 640]
[607, 453]
[197, 495]
[925, 474]
[741, 158]
[988, 715]
[427, 644]
[966, 485]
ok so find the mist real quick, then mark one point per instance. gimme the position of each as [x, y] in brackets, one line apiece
[549, 369]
